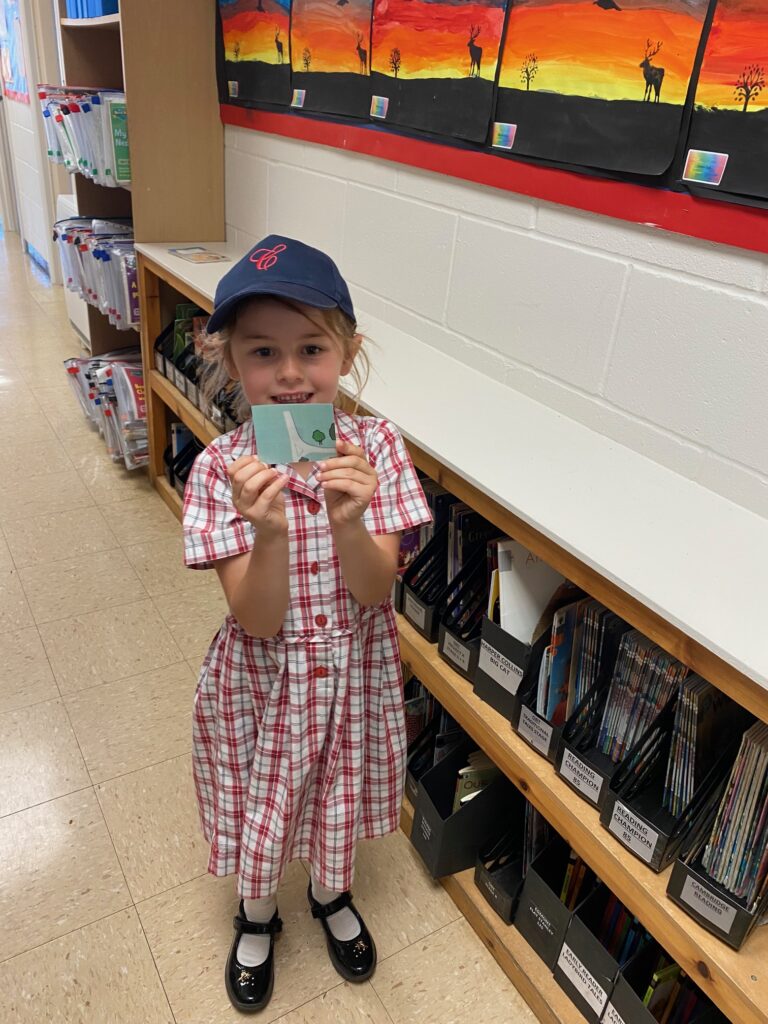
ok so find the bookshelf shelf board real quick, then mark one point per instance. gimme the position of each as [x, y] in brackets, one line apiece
[106, 21]
[736, 981]
[525, 969]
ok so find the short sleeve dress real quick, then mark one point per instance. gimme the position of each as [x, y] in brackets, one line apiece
[299, 739]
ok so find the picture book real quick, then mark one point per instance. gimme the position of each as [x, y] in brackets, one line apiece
[301, 432]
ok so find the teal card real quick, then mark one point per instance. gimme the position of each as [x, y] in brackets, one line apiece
[305, 432]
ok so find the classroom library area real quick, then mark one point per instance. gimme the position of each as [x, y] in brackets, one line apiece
[383, 512]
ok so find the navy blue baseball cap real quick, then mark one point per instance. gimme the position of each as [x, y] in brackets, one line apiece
[286, 268]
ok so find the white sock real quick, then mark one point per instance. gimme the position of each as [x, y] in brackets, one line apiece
[253, 950]
[343, 924]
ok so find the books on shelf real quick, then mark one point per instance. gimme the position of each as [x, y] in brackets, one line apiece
[86, 130]
[98, 262]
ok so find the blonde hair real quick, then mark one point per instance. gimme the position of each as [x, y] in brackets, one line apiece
[216, 353]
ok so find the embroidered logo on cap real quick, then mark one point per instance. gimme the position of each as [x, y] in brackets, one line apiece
[265, 259]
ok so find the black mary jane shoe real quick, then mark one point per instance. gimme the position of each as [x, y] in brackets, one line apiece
[250, 988]
[355, 959]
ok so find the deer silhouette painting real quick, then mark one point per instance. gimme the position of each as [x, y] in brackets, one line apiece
[363, 55]
[278, 46]
[653, 75]
[475, 52]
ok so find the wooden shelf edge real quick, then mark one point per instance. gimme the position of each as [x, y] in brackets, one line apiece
[192, 294]
[524, 968]
[107, 21]
[736, 981]
[169, 495]
[203, 428]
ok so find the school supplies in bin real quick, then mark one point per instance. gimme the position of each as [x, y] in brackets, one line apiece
[99, 264]
[87, 131]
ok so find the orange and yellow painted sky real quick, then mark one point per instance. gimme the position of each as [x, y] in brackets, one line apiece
[586, 51]
[737, 40]
[330, 33]
[255, 30]
[432, 37]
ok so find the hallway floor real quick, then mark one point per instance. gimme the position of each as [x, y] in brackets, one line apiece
[107, 913]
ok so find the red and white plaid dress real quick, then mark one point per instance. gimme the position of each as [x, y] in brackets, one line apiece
[299, 740]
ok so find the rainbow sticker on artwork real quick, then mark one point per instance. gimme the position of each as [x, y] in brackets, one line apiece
[379, 106]
[503, 135]
[704, 167]
[299, 95]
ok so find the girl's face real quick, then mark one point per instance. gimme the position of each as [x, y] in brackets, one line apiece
[280, 355]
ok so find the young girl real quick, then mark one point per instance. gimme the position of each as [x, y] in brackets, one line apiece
[299, 742]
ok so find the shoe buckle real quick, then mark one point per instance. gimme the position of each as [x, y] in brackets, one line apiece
[244, 976]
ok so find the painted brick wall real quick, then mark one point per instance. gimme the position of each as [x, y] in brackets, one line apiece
[657, 341]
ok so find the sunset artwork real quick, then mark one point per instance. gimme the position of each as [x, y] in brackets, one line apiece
[256, 51]
[730, 115]
[436, 62]
[599, 83]
[330, 54]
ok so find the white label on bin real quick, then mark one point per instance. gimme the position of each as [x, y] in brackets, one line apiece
[179, 380]
[584, 778]
[581, 979]
[503, 671]
[537, 732]
[703, 900]
[426, 828]
[456, 652]
[415, 612]
[633, 832]
[191, 392]
[159, 361]
[612, 1015]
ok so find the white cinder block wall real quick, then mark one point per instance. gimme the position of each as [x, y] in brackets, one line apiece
[657, 341]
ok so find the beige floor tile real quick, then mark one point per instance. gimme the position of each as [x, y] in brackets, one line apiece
[39, 756]
[6, 562]
[58, 491]
[190, 931]
[30, 460]
[80, 585]
[26, 676]
[342, 1005]
[134, 722]
[448, 978]
[142, 519]
[391, 865]
[160, 567]
[100, 974]
[14, 609]
[62, 411]
[107, 645]
[16, 401]
[152, 818]
[60, 872]
[194, 616]
[54, 536]
[110, 481]
[18, 430]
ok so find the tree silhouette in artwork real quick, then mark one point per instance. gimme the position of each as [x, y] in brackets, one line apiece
[306, 58]
[394, 60]
[529, 70]
[236, 51]
[749, 84]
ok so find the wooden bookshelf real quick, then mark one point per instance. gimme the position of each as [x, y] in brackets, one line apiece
[162, 56]
[736, 981]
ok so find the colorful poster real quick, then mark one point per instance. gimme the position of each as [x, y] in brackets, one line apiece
[256, 65]
[728, 142]
[12, 53]
[434, 64]
[598, 83]
[330, 56]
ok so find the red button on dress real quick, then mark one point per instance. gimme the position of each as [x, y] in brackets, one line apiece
[313, 508]
[321, 672]
[314, 568]
[321, 620]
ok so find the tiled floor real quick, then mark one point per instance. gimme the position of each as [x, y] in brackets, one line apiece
[107, 915]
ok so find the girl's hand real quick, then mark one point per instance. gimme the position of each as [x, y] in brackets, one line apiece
[349, 482]
[257, 495]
